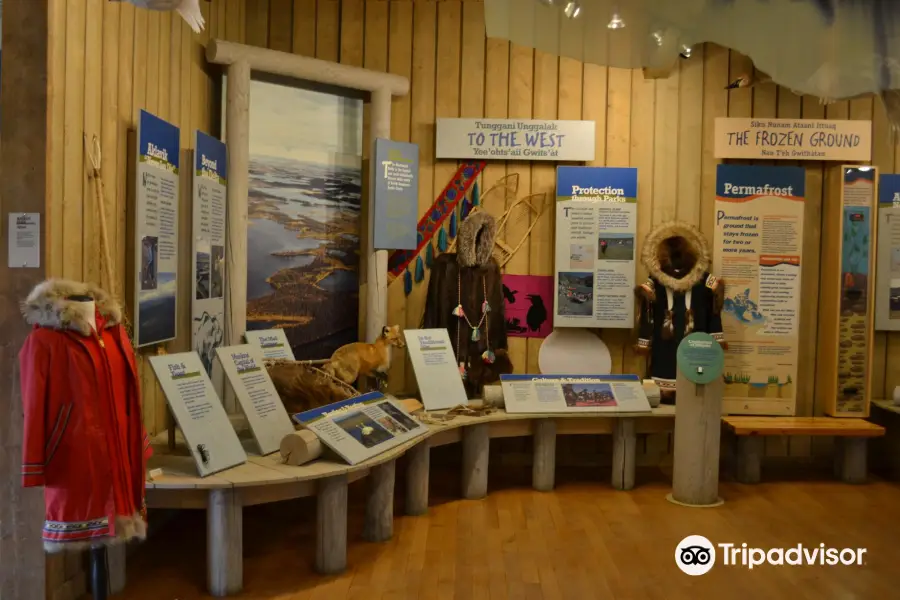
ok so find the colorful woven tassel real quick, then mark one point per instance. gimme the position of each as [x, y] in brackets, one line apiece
[429, 255]
[488, 356]
[464, 210]
[442, 240]
[476, 334]
[485, 307]
[475, 196]
[453, 224]
[458, 311]
[420, 270]
[407, 282]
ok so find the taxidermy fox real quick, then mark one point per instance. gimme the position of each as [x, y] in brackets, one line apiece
[350, 362]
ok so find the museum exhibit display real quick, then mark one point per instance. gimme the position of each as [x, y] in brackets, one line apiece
[679, 297]
[532, 266]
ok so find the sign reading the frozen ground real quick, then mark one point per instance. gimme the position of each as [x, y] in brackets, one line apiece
[510, 139]
[208, 305]
[596, 224]
[793, 139]
[396, 187]
[156, 231]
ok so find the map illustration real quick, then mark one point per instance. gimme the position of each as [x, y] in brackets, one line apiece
[741, 307]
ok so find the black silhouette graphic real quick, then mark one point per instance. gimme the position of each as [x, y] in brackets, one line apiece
[513, 325]
[204, 454]
[537, 314]
[509, 295]
[695, 555]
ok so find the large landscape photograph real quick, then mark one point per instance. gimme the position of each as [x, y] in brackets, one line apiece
[304, 216]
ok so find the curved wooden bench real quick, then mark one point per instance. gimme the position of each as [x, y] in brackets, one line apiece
[850, 434]
[265, 479]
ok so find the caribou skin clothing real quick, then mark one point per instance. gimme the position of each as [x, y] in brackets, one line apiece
[84, 440]
[679, 297]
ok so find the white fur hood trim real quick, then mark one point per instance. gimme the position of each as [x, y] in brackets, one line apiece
[48, 305]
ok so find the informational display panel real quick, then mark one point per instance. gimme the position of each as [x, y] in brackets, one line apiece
[596, 228]
[437, 373]
[208, 243]
[793, 139]
[396, 189]
[857, 290]
[360, 428]
[887, 279]
[573, 394]
[273, 343]
[198, 411]
[24, 250]
[156, 231]
[266, 415]
[515, 139]
[758, 251]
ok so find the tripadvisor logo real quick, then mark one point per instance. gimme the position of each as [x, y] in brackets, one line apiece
[696, 555]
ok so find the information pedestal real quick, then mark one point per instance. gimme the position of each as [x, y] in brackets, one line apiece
[698, 415]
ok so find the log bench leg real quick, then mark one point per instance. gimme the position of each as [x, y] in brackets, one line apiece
[749, 458]
[331, 525]
[417, 472]
[543, 471]
[624, 440]
[224, 542]
[115, 559]
[379, 524]
[850, 459]
[476, 446]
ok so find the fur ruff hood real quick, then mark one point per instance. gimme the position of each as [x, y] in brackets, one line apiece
[476, 240]
[48, 306]
[654, 250]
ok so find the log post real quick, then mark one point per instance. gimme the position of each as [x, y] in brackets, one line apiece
[749, 458]
[624, 441]
[698, 415]
[417, 475]
[115, 557]
[224, 542]
[476, 448]
[850, 455]
[376, 260]
[379, 523]
[331, 525]
[23, 188]
[543, 471]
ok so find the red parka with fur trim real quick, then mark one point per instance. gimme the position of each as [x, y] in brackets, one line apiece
[84, 439]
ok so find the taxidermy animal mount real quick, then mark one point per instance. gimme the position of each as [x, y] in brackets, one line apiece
[188, 9]
[352, 361]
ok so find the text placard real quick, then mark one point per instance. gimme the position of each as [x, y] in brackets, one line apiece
[208, 239]
[573, 393]
[198, 411]
[266, 415]
[505, 139]
[437, 373]
[360, 428]
[24, 240]
[758, 252]
[396, 191]
[793, 139]
[887, 279]
[156, 230]
[596, 232]
[273, 343]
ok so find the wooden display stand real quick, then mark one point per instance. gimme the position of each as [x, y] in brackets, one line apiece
[847, 298]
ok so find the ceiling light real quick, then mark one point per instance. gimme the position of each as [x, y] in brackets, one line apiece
[572, 9]
[658, 37]
[616, 22]
[685, 51]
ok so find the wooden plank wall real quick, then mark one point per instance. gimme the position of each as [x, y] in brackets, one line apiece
[108, 60]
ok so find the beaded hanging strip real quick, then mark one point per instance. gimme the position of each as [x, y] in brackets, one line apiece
[488, 355]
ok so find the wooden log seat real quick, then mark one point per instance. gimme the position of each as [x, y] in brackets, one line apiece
[850, 436]
[264, 479]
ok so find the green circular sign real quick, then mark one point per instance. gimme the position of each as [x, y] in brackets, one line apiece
[700, 358]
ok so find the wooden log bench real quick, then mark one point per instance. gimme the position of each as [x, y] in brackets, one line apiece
[264, 479]
[851, 437]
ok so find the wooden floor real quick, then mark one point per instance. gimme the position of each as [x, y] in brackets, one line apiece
[582, 541]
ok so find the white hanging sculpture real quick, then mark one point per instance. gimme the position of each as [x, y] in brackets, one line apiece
[188, 9]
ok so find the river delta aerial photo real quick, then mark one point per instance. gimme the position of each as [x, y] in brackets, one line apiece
[304, 216]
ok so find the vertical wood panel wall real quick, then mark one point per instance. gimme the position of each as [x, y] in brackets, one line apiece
[108, 60]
